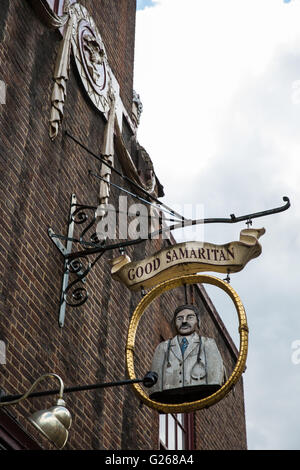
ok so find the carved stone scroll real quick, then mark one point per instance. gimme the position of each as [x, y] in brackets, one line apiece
[107, 152]
[61, 76]
[51, 19]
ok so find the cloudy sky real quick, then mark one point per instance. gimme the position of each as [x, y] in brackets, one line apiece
[220, 86]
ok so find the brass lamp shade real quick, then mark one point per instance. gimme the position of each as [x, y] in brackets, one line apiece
[53, 423]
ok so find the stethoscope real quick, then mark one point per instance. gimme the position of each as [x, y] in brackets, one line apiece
[198, 356]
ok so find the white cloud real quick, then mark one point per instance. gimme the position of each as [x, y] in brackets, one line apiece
[218, 81]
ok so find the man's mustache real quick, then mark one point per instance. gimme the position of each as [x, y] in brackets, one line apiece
[184, 324]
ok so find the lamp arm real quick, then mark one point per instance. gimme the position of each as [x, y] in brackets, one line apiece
[148, 380]
[23, 397]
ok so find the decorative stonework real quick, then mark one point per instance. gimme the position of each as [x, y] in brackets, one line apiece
[90, 57]
[82, 36]
[137, 108]
[61, 77]
[47, 15]
[148, 175]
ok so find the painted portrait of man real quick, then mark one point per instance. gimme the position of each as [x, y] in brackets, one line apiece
[189, 366]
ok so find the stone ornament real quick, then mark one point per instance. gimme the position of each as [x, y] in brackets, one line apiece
[137, 108]
[147, 180]
[60, 77]
[107, 152]
[82, 36]
[46, 13]
[90, 57]
[148, 176]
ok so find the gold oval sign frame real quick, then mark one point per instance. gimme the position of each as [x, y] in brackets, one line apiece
[243, 350]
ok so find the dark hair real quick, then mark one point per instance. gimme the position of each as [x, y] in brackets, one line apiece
[187, 307]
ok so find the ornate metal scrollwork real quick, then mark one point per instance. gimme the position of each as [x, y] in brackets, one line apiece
[74, 294]
[80, 216]
[76, 268]
[77, 296]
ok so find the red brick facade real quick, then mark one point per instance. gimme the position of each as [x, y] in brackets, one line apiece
[38, 177]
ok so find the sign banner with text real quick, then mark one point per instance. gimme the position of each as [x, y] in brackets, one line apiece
[187, 258]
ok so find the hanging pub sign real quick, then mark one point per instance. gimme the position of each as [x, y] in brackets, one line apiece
[190, 376]
[187, 258]
[189, 368]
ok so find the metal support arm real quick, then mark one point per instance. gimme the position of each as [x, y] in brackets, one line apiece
[187, 223]
[78, 264]
[148, 381]
[73, 293]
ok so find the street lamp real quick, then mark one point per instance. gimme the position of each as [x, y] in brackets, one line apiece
[54, 423]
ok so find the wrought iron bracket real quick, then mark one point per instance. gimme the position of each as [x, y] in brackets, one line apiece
[92, 248]
[73, 292]
[77, 263]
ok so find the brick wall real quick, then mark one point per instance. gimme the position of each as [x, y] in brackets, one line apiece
[37, 179]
